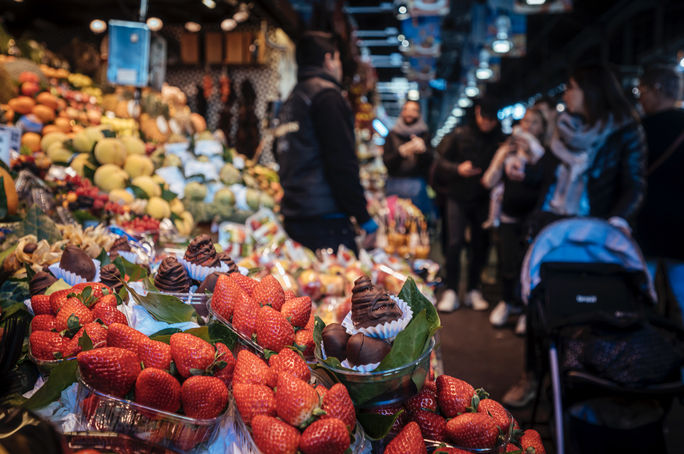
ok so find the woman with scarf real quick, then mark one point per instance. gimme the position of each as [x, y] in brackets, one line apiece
[601, 172]
[408, 157]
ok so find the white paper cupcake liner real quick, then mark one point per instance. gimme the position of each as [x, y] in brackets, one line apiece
[199, 272]
[365, 368]
[387, 331]
[72, 278]
[130, 256]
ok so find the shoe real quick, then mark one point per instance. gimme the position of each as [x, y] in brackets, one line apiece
[448, 302]
[475, 300]
[522, 393]
[500, 314]
[521, 326]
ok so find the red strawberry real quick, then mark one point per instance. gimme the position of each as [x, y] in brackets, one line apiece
[190, 352]
[409, 440]
[297, 311]
[426, 400]
[391, 410]
[289, 361]
[226, 294]
[250, 369]
[531, 442]
[109, 315]
[97, 289]
[304, 339]
[273, 331]
[110, 370]
[311, 323]
[73, 308]
[510, 447]
[431, 385]
[289, 294]
[203, 397]
[46, 345]
[269, 292]
[107, 300]
[97, 334]
[123, 336]
[41, 304]
[472, 430]
[158, 389]
[321, 390]
[273, 436]
[338, 404]
[155, 354]
[453, 395]
[494, 409]
[431, 425]
[245, 316]
[58, 299]
[43, 322]
[225, 373]
[296, 401]
[325, 435]
[253, 400]
[247, 283]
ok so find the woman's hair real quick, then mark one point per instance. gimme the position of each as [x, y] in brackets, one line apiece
[543, 121]
[603, 95]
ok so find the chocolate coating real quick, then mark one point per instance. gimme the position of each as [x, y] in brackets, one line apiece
[171, 277]
[201, 251]
[78, 262]
[111, 277]
[120, 244]
[335, 339]
[224, 257]
[30, 248]
[371, 306]
[40, 282]
[208, 284]
[362, 349]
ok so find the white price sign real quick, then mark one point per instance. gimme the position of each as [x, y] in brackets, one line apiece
[10, 140]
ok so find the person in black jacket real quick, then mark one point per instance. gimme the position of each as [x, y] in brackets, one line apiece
[462, 158]
[408, 157]
[319, 170]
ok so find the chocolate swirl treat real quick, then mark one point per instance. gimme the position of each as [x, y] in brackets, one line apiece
[121, 244]
[201, 251]
[78, 262]
[40, 282]
[111, 277]
[372, 306]
[208, 284]
[224, 257]
[171, 277]
[362, 350]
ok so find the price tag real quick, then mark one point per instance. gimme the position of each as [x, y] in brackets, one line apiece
[10, 140]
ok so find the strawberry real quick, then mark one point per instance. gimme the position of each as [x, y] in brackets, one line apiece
[289, 294]
[109, 315]
[325, 435]
[472, 430]
[40, 304]
[203, 397]
[107, 300]
[338, 404]
[58, 299]
[531, 442]
[43, 322]
[46, 345]
[123, 336]
[494, 409]
[158, 389]
[409, 440]
[453, 395]
[75, 311]
[253, 400]
[321, 390]
[296, 401]
[273, 331]
[226, 293]
[250, 369]
[245, 316]
[431, 385]
[304, 341]
[448, 450]
[510, 447]
[109, 370]
[97, 289]
[431, 425]
[311, 323]
[297, 311]
[191, 354]
[273, 436]
[97, 334]
[426, 400]
[247, 283]
[269, 292]
[224, 372]
[155, 354]
[391, 410]
[289, 361]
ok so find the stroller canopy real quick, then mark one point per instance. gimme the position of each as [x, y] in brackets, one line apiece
[583, 240]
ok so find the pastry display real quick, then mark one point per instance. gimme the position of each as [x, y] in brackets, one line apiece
[201, 251]
[171, 276]
[372, 306]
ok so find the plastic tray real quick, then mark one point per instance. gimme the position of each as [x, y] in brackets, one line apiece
[244, 340]
[113, 442]
[103, 412]
[199, 301]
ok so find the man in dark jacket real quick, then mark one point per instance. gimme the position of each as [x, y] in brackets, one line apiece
[319, 170]
[463, 156]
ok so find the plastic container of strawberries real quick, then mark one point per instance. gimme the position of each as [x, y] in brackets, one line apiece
[113, 442]
[103, 412]
[45, 366]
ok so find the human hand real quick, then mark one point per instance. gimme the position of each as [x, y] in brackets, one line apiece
[515, 169]
[418, 144]
[466, 169]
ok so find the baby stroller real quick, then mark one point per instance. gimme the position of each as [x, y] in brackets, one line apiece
[591, 305]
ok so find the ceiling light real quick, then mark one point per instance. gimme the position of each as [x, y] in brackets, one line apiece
[242, 13]
[155, 24]
[405, 43]
[413, 95]
[471, 91]
[501, 46]
[464, 102]
[402, 9]
[193, 27]
[228, 24]
[484, 73]
[560, 107]
[681, 62]
[535, 2]
[98, 26]
[211, 4]
[457, 112]
[401, 37]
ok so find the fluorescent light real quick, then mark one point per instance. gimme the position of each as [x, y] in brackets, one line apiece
[380, 127]
[484, 73]
[535, 2]
[471, 91]
[98, 26]
[560, 107]
[228, 24]
[193, 27]
[155, 24]
[405, 43]
[464, 102]
[501, 46]
[413, 95]
[211, 4]
[681, 62]
[457, 112]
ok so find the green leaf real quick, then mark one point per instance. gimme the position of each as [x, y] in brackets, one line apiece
[104, 258]
[57, 285]
[108, 133]
[81, 216]
[133, 271]
[138, 192]
[418, 302]
[165, 308]
[37, 223]
[89, 171]
[13, 291]
[377, 426]
[61, 377]
[85, 342]
[3, 199]
[175, 217]
[408, 345]
[18, 309]
[167, 195]
[218, 332]
[252, 271]
[29, 272]
[166, 332]
[202, 332]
